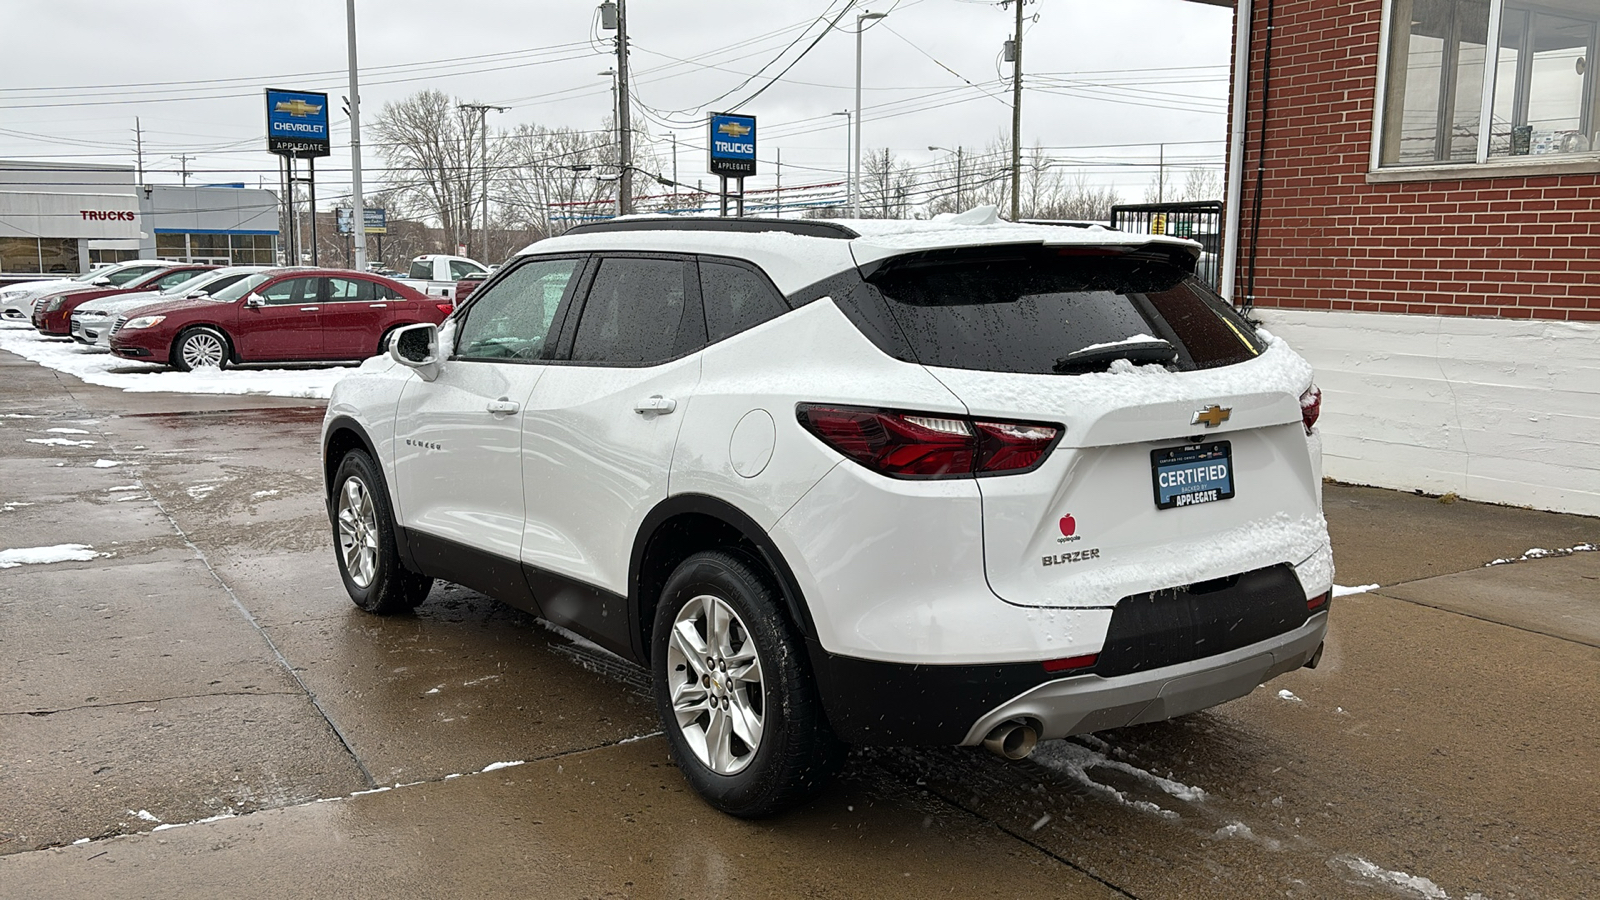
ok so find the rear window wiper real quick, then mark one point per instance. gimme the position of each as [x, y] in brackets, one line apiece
[1144, 349]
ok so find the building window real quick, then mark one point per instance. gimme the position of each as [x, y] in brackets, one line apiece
[236, 249]
[1537, 93]
[172, 246]
[98, 256]
[31, 256]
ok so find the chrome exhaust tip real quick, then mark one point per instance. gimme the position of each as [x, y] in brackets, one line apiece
[1012, 740]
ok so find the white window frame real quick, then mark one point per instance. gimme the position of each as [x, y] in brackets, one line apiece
[1483, 165]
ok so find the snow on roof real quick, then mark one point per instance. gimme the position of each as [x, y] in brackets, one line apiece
[795, 261]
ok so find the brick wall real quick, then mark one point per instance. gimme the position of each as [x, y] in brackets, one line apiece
[1513, 247]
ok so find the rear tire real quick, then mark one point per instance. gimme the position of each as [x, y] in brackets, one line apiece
[364, 544]
[201, 347]
[735, 693]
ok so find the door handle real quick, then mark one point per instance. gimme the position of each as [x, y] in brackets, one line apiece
[504, 406]
[309, 308]
[656, 404]
[377, 306]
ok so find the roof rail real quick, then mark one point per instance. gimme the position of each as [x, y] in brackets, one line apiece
[805, 227]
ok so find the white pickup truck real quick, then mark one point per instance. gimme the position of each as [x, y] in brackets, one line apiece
[436, 274]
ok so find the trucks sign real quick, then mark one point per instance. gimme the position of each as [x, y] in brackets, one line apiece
[297, 123]
[733, 145]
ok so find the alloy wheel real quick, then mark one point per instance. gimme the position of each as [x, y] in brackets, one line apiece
[714, 675]
[358, 532]
[202, 349]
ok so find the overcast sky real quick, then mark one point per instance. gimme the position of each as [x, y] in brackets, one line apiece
[1114, 78]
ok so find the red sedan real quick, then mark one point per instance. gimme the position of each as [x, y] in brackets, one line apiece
[284, 315]
[53, 313]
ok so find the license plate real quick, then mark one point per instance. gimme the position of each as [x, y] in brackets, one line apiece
[1189, 476]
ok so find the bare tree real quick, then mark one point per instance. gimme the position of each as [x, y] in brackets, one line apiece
[1202, 183]
[887, 186]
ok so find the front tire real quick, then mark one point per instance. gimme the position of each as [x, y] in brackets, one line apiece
[363, 535]
[202, 347]
[734, 692]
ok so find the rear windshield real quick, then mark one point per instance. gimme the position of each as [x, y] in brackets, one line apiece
[1043, 311]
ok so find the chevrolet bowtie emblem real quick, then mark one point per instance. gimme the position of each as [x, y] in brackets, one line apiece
[733, 129]
[297, 108]
[1212, 416]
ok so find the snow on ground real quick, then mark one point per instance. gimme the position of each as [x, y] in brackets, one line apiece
[33, 556]
[1541, 553]
[1289, 695]
[100, 367]
[1408, 885]
[1340, 590]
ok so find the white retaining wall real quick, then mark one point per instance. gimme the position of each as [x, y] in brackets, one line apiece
[1500, 410]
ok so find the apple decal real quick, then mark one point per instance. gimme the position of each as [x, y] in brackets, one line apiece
[1069, 526]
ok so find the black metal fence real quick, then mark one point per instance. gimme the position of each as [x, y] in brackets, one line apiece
[1198, 221]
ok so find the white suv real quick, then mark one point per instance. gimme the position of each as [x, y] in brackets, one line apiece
[951, 482]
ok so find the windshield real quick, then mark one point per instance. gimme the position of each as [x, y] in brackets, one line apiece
[241, 288]
[1042, 311]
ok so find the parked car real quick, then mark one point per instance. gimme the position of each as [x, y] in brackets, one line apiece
[467, 285]
[962, 483]
[17, 300]
[436, 274]
[91, 322]
[282, 315]
[52, 313]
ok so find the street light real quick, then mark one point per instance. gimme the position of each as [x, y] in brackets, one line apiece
[847, 139]
[864, 17]
[957, 152]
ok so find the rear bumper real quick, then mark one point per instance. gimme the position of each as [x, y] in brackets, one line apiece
[1158, 655]
[1092, 703]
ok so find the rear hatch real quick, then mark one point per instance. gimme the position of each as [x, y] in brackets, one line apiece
[1182, 457]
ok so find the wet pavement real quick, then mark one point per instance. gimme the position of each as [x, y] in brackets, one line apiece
[205, 670]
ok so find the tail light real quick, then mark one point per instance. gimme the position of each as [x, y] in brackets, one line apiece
[1310, 406]
[446, 308]
[922, 445]
[1315, 603]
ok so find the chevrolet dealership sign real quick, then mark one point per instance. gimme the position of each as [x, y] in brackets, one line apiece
[297, 123]
[733, 145]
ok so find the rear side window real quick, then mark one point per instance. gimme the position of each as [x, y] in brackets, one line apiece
[1043, 311]
[736, 299]
[633, 312]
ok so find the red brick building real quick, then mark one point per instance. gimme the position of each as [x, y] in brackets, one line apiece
[1421, 217]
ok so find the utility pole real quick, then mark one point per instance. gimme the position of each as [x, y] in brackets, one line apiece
[482, 110]
[358, 201]
[183, 163]
[1016, 120]
[1161, 174]
[854, 189]
[614, 13]
[778, 204]
[138, 147]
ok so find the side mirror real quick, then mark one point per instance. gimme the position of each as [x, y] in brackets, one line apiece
[417, 347]
[254, 301]
[102, 281]
[195, 295]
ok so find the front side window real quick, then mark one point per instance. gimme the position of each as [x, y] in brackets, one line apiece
[460, 270]
[290, 291]
[1448, 100]
[512, 318]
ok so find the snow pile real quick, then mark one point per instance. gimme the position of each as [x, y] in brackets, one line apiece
[33, 556]
[1243, 831]
[59, 442]
[1289, 695]
[1340, 590]
[1412, 885]
[101, 368]
[1541, 553]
